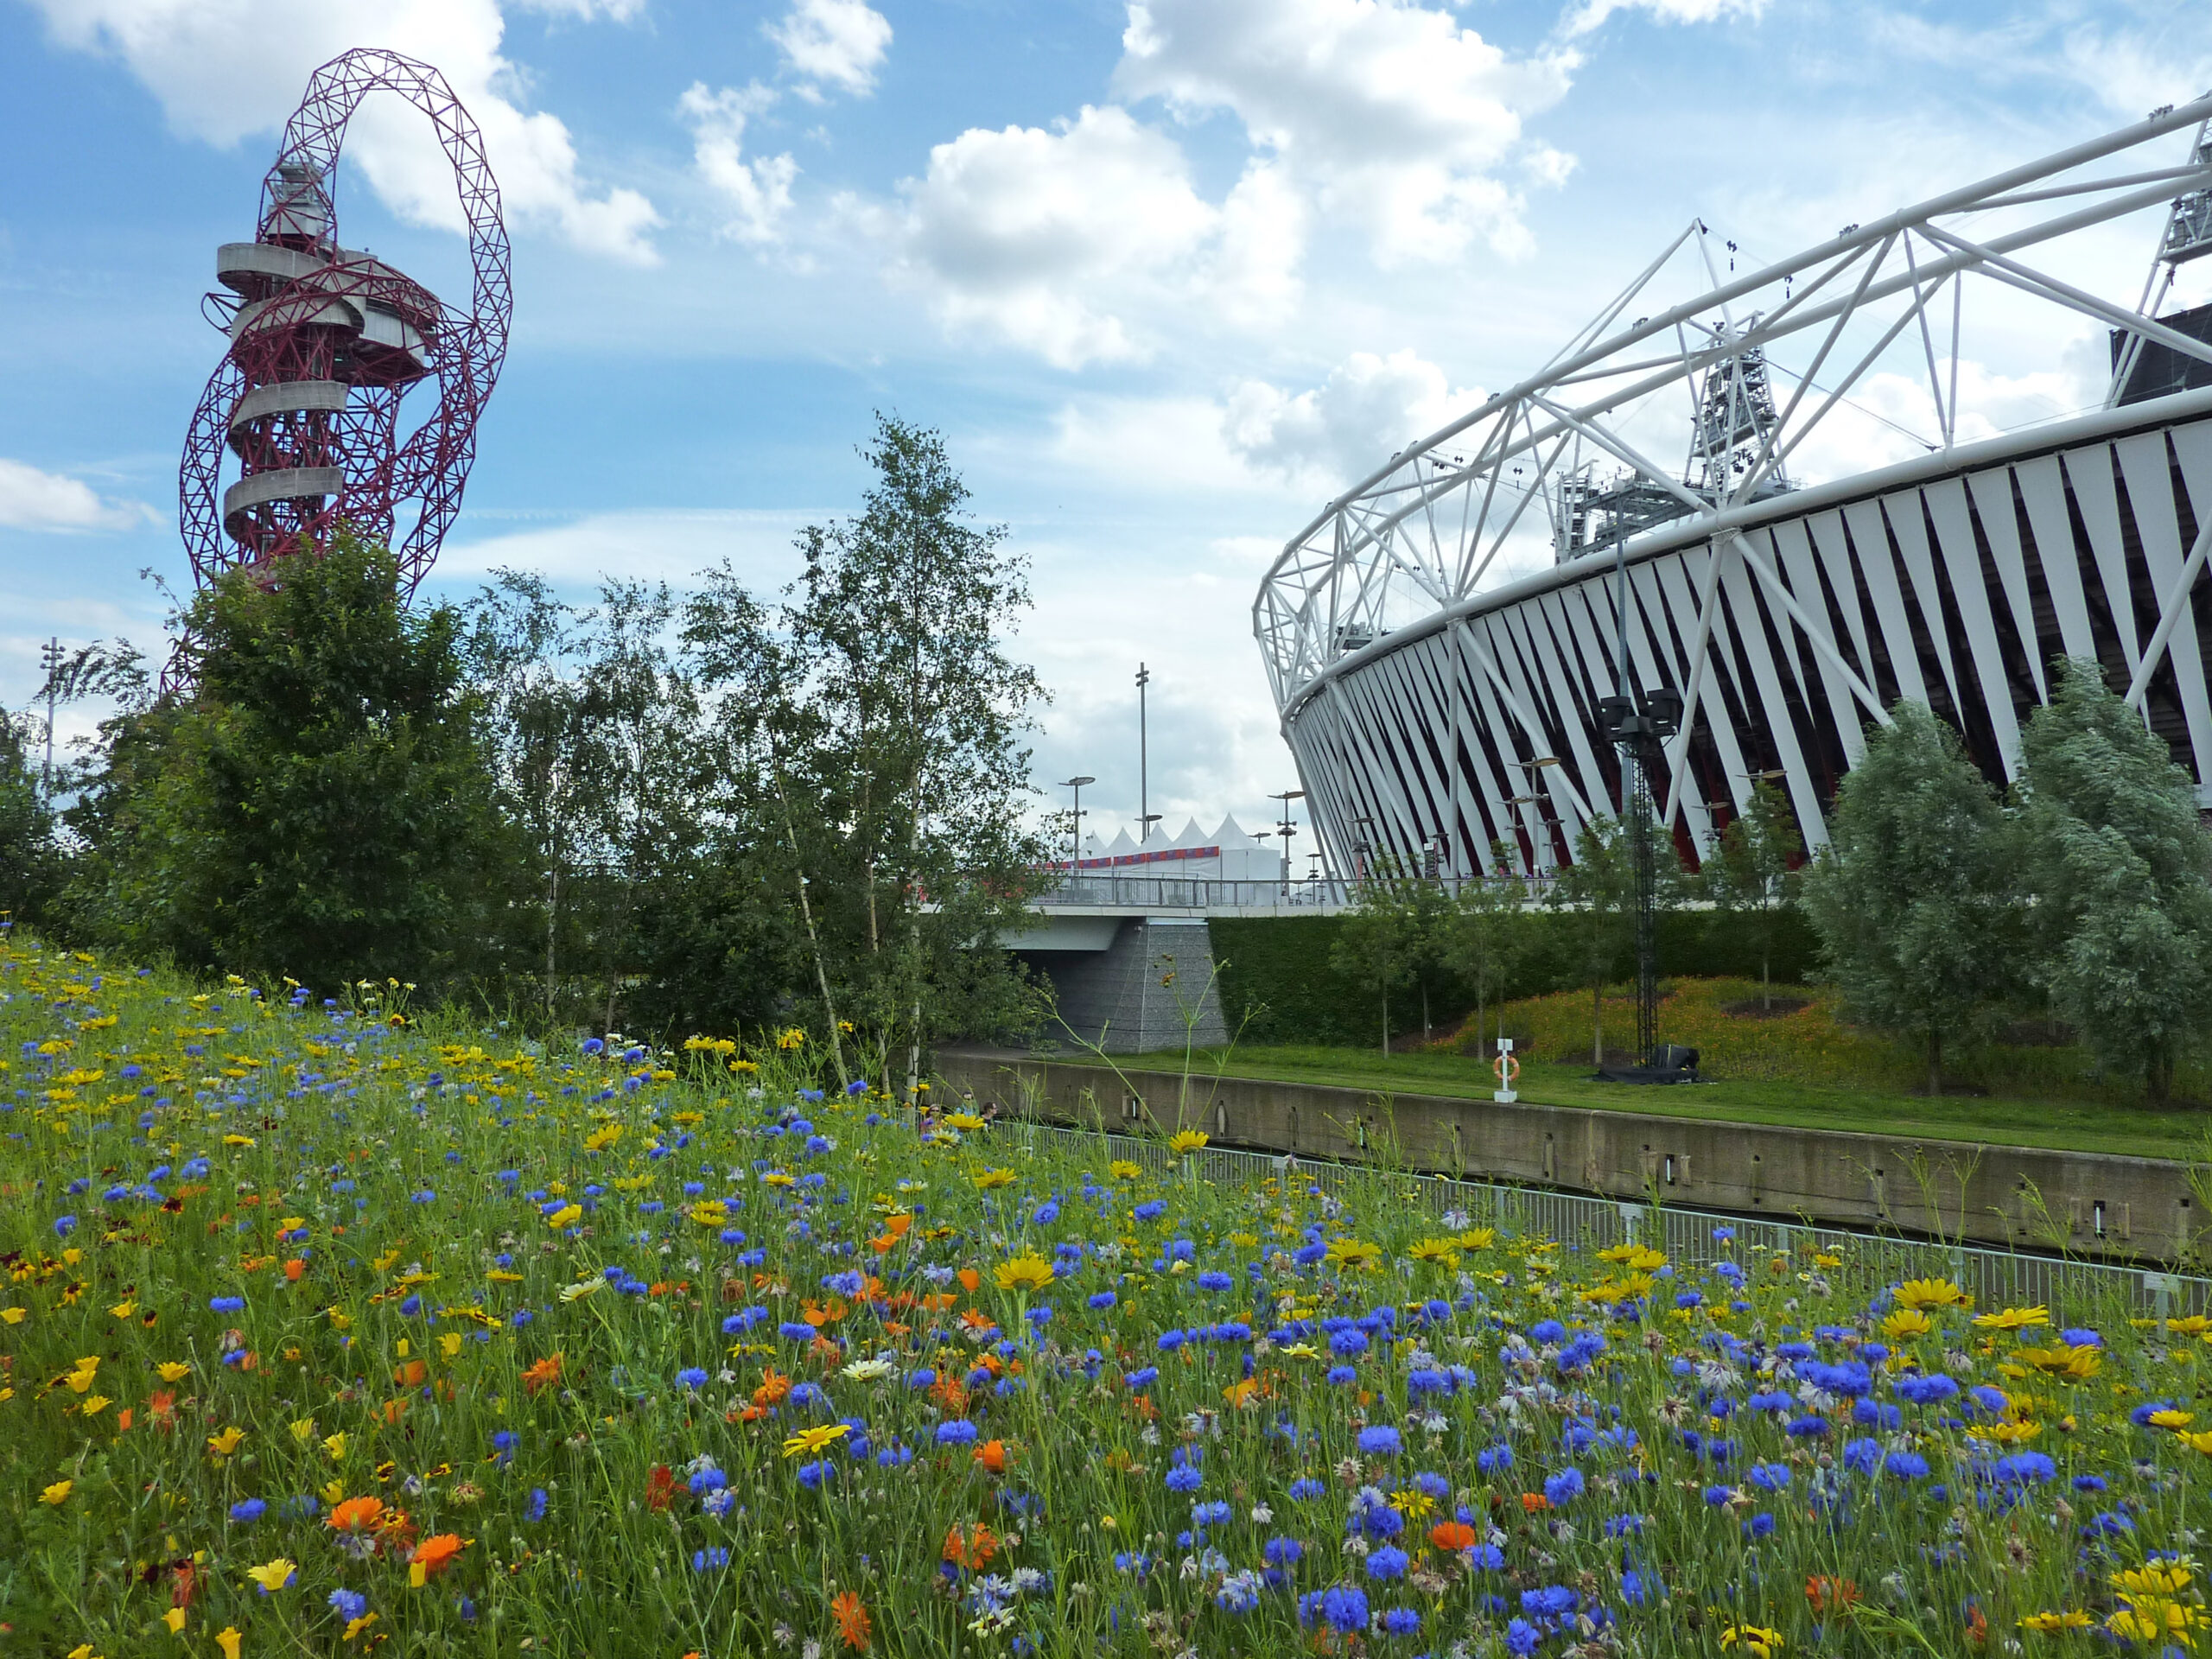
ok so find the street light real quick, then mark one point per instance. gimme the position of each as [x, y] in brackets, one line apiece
[1638, 727]
[1075, 819]
[1146, 816]
[1287, 829]
[49, 660]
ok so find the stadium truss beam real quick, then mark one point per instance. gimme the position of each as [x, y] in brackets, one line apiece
[1409, 548]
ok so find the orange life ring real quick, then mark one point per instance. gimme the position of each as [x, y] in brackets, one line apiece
[1508, 1067]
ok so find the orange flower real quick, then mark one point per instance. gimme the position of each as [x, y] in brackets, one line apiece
[160, 1410]
[1534, 1503]
[392, 1410]
[973, 1548]
[1451, 1536]
[184, 1579]
[969, 1279]
[774, 1387]
[1829, 1594]
[992, 1455]
[123, 1421]
[545, 1374]
[853, 1628]
[294, 1268]
[357, 1514]
[410, 1374]
[660, 1486]
[433, 1556]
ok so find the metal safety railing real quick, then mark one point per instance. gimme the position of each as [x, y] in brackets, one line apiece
[2070, 1286]
[1108, 888]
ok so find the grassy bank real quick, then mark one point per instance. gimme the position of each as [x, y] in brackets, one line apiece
[1804, 1069]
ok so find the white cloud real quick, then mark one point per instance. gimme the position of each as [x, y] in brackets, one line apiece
[837, 43]
[1392, 114]
[1592, 13]
[759, 192]
[224, 73]
[672, 546]
[587, 11]
[1891, 416]
[1338, 432]
[32, 499]
[1042, 236]
[1175, 444]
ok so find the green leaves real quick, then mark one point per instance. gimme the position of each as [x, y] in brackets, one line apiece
[321, 805]
[2117, 863]
[1916, 898]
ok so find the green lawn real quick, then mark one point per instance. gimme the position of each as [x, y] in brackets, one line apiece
[2076, 1125]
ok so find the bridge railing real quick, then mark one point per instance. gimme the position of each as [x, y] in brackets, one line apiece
[1105, 888]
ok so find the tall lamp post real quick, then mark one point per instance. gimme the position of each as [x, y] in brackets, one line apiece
[1639, 728]
[1075, 821]
[1287, 828]
[1145, 815]
[49, 660]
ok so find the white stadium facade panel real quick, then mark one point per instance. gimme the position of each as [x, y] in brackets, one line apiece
[1957, 581]
[1435, 715]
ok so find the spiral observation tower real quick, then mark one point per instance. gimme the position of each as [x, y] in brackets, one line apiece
[324, 345]
[1748, 612]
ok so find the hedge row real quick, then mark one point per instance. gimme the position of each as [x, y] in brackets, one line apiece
[1277, 974]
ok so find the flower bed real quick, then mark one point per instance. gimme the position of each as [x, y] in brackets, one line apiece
[324, 1333]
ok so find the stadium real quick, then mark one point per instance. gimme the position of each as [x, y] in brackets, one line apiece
[1747, 613]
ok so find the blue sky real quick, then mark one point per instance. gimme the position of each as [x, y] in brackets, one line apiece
[1167, 274]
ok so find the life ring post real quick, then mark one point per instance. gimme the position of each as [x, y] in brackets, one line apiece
[1508, 1068]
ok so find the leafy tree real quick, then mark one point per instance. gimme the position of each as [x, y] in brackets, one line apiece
[521, 644]
[319, 805]
[1486, 934]
[641, 772]
[1595, 899]
[1379, 941]
[30, 857]
[1914, 898]
[2118, 862]
[1750, 875]
[872, 730]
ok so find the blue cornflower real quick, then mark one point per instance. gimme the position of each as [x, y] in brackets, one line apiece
[1380, 1440]
[1388, 1563]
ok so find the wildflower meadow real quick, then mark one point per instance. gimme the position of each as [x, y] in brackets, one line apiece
[327, 1331]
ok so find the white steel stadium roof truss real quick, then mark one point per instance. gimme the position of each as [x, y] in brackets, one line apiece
[1741, 376]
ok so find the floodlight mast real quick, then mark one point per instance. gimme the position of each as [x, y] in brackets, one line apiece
[1408, 549]
[324, 343]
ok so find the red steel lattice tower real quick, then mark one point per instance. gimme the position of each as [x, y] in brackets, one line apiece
[326, 342]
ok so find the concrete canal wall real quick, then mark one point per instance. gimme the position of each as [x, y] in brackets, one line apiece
[2095, 1204]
